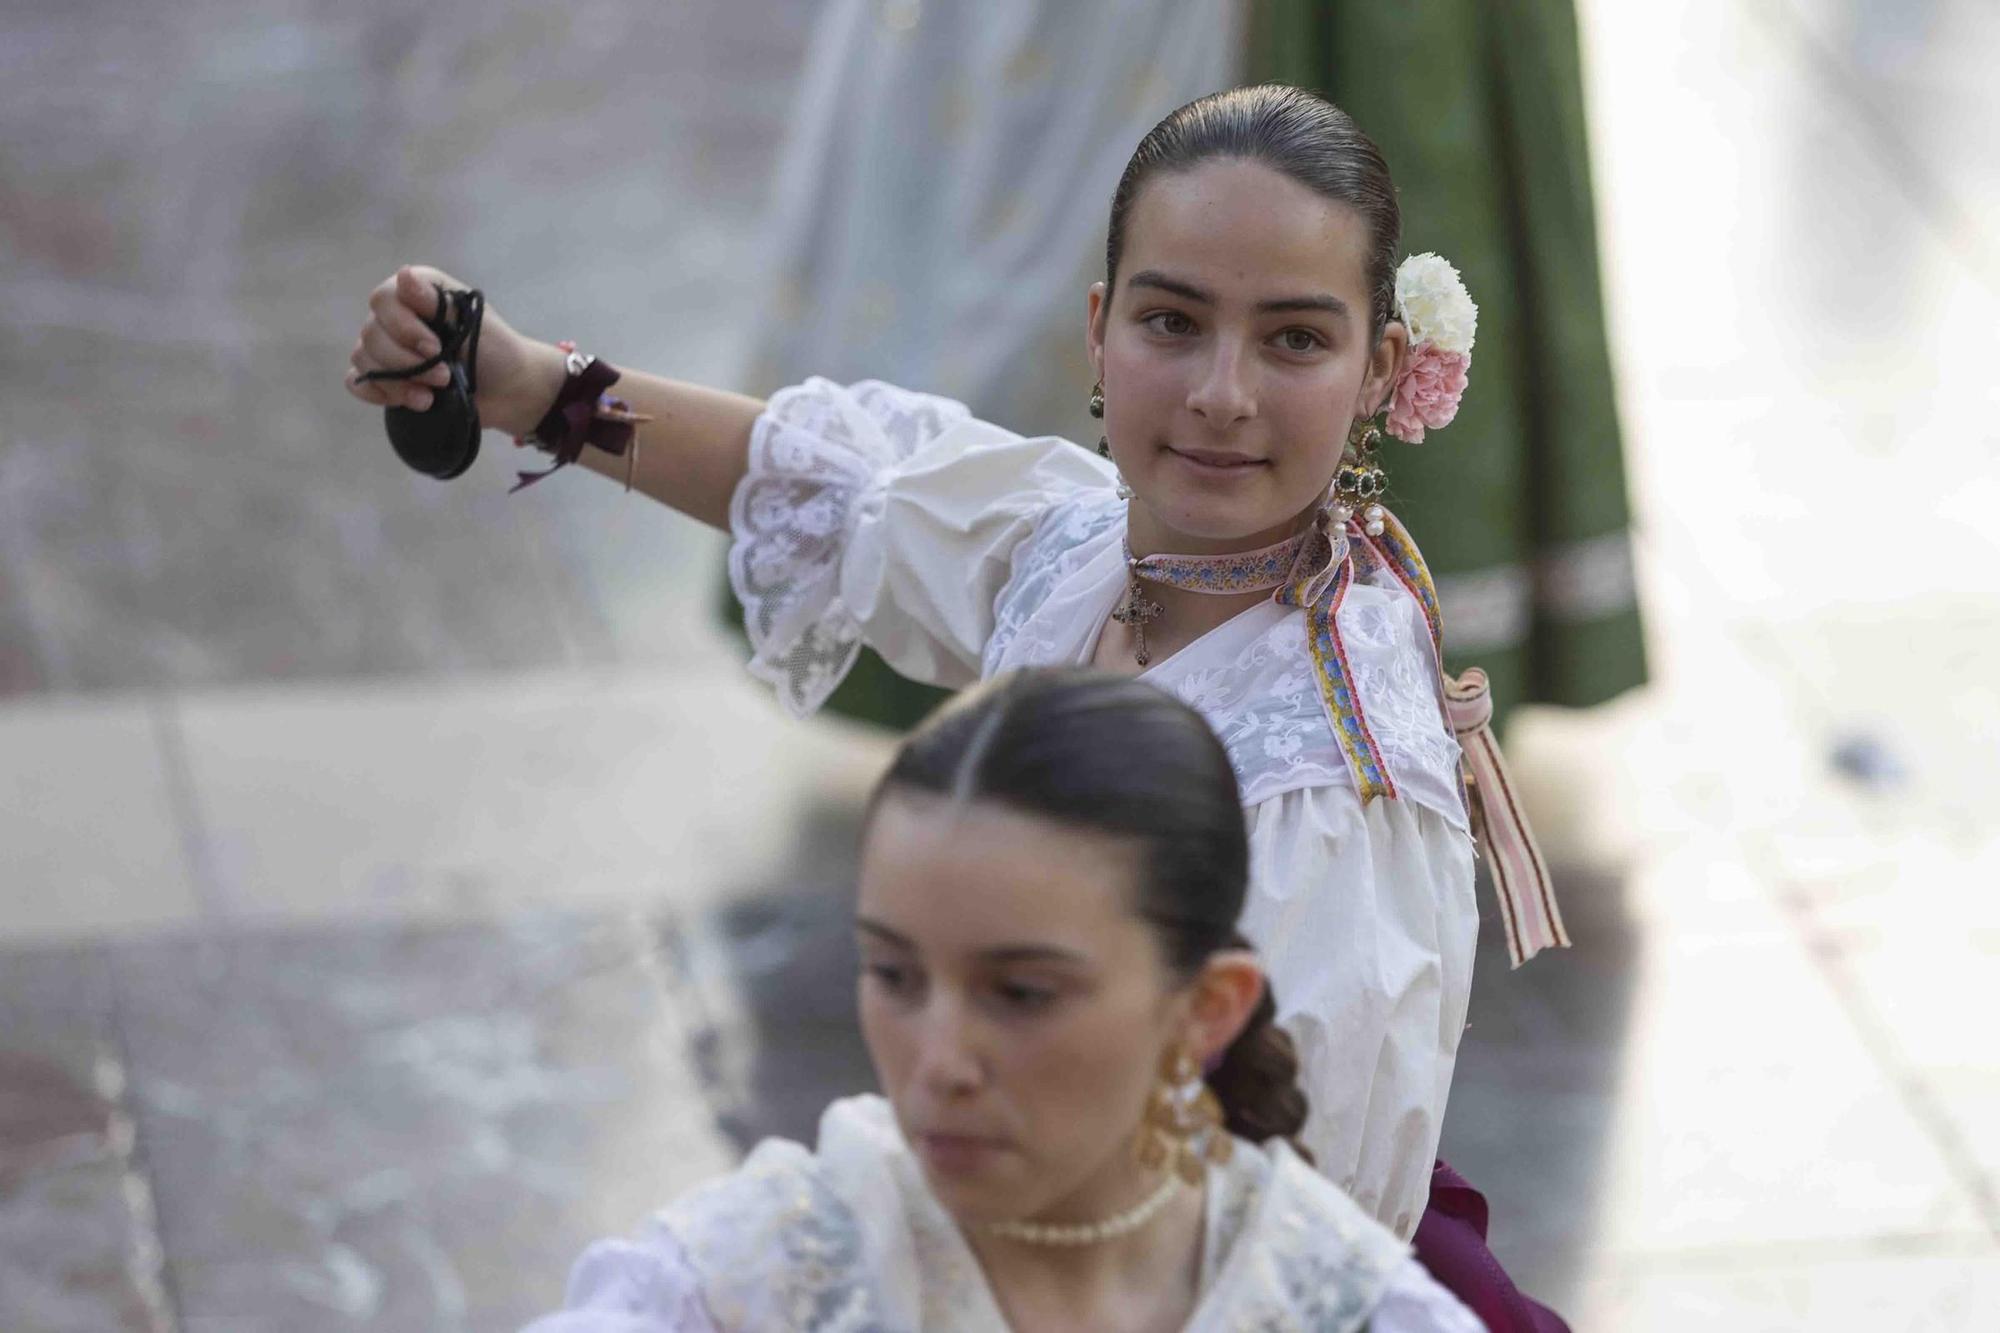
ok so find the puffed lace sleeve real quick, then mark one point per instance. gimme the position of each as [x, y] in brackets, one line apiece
[871, 514]
[1414, 1302]
[647, 1285]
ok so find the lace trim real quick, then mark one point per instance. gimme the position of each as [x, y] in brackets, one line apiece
[1263, 700]
[1265, 707]
[1319, 1286]
[1306, 1256]
[1265, 704]
[819, 454]
[784, 1242]
[1065, 539]
[777, 1248]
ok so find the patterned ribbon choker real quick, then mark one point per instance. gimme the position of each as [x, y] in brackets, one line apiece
[1220, 575]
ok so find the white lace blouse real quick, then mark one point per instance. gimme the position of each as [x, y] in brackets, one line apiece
[849, 1237]
[956, 549]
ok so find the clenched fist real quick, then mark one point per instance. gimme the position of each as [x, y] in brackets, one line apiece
[517, 377]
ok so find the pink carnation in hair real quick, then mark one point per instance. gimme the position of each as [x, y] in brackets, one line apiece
[1427, 394]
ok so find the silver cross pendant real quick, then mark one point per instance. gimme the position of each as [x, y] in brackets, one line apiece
[1137, 611]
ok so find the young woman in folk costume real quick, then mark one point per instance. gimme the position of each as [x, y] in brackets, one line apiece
[1227, 540]
[1051, 876]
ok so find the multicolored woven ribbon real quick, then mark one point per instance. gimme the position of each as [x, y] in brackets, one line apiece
[1313, 572]
[1319, 584]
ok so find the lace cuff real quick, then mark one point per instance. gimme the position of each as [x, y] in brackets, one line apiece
[817, 456]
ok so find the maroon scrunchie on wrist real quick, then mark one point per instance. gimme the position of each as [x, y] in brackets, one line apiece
[575, 420]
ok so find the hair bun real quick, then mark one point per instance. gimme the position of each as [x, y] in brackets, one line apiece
[1258, 1081]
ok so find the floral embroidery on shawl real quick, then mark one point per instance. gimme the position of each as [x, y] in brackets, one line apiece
[1266, 698]
[776, 1248]
[1061, 543]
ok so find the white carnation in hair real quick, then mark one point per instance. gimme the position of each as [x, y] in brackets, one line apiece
[1434, 304]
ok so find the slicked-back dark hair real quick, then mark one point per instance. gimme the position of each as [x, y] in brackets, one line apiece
[1293, 131]
[1113, 755]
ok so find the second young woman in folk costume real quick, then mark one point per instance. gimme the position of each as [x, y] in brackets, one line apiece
[1051, 875]
[1228, 544]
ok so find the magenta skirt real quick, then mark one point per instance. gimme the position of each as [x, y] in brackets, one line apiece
[1451, 1243]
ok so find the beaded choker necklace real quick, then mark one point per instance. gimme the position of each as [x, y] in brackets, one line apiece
[1090, 1233]
[1221, 575]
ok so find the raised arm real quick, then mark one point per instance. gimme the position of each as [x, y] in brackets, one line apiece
[692, 453]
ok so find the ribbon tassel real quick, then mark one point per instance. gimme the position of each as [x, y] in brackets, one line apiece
[1520, 876]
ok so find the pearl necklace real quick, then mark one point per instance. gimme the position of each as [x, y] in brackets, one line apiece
[1090, 1233]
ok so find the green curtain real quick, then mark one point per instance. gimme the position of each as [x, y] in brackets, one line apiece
[1519, 504]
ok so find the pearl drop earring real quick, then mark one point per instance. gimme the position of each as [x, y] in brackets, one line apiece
[1359, 484]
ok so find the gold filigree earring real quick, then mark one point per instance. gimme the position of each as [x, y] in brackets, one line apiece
[1183, 1124]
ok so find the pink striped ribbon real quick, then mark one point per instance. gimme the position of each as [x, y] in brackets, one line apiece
[1520, 876]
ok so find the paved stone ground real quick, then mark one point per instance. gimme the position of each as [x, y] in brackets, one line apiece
[354, 1127]
[402, 885]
